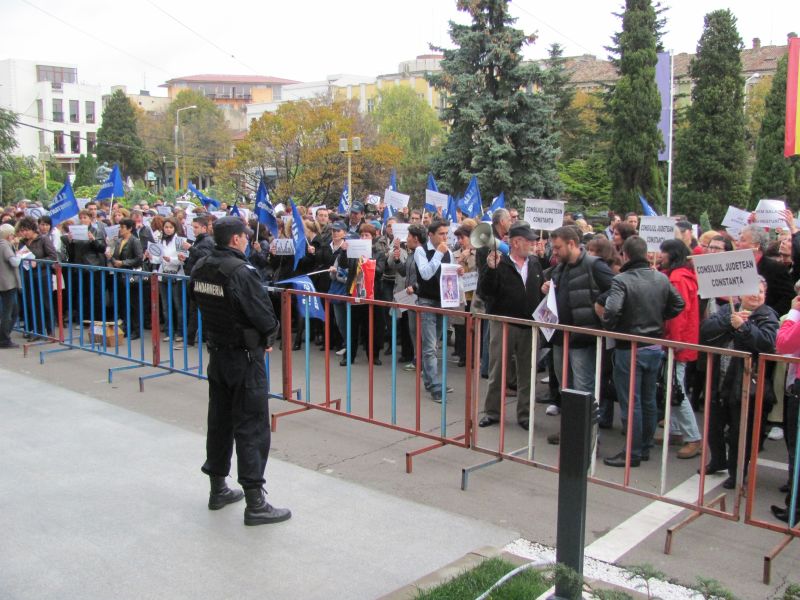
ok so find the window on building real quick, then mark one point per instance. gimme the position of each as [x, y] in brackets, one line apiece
[58, 142]
[370, 104]
[74, 111]
[58, 110]
[91, 142]
[276, 93]
[56, 74]
[75, 142]
[89, 111]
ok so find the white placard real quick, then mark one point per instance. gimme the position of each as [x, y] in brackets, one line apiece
[396, 200]
[400, 231]
[112, 232]
[314, 210]
[469, 281]
[768, 214]
[736, 218]
[452, 240]
[82, 202]
[373, 199]
[164, 211]
[403, 298]
[544, 215]
[284, 247]
[547, 312]
[359, 248]
[437, 199]
[155, 250]
[449, 293]
[280, 207]
[79, 232]
[190, 232]
[220, 214]
[244, 214]
[35, 212]
[655, 230]
[726, 273]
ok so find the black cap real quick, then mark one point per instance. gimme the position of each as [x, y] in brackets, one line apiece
[227, 227]
[522, 229]
[357, 207]
[339, 226]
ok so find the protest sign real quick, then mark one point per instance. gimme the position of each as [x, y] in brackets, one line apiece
[448, 286]
[373, 199]
[112, 232]
[154, 250]
[284, 247]
[396, 200]
[736, 218]
[726, 273]
[544, 215]
[436, 199]
[400, 231]
[35, 212]
[359, 248]
[655, 230]
[547, 312]
[769, 214]
[219, 213]
[79, 232]
[404, 298]
[165, 211]
[82, 202]
[469, 281]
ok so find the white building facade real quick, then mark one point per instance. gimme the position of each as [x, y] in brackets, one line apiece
[58, 115]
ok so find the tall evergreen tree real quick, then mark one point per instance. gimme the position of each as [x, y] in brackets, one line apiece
[85, 172]
[557, 86]
[635, 108]
[117, 140]
[500, 128]
[775, 176]
[710, 152]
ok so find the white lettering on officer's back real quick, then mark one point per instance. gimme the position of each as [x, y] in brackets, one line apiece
[210, 289]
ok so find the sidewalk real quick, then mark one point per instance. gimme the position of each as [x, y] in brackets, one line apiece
[100, 502]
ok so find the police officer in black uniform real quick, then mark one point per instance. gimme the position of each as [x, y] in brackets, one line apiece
[240, 325]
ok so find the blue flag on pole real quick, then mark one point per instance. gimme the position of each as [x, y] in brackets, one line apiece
[205, 200]
[64, 206]
[393, 180]
[648, 210]
[431, 185]
[344, 201]
[312, 303]
[265, 212]
[112, 187]
[388, 213]
[235, 211]
[450, 214]
[298, 234]
[497, 202]
[470, 204]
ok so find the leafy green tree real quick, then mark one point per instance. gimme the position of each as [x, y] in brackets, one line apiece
[775, 176]
[8, 141]
[117, 139]
[501, 129]
[408, 122]
[710, 153]
[635, 108]
[85, 172]
[585, 180]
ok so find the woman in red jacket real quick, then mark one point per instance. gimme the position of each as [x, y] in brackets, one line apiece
[683, 328]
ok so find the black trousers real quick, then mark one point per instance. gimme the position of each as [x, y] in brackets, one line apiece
[791, 404]
[238, 410]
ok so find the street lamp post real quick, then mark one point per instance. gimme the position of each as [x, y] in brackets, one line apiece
[177, 128]
[348, 146]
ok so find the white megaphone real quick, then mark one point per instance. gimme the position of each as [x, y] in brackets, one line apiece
[483, 236]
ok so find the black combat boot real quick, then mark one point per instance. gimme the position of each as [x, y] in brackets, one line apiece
[260, 512]
[221, 495]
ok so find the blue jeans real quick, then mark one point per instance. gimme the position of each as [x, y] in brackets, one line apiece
[682, 420]
[581, 367]
[645, 411]
[431, 332]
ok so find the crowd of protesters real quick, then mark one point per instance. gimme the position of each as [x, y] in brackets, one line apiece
[604, 279]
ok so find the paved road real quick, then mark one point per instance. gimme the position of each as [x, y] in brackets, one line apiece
[507, 498]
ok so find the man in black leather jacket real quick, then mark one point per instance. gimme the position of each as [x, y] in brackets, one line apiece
[638, 303]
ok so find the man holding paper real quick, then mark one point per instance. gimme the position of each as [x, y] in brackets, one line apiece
[510, 286]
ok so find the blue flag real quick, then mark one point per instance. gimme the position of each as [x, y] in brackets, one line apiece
[205, 200]
[344, 201]
[431, 184]
[311, 303]
[450, 214]
[470, 204]
[497, 202]
[64, 206]
[112, 187]
[648, 210]
[265, 212]
[298, 234]
[388, 213]
[235, 211]
[393, 180]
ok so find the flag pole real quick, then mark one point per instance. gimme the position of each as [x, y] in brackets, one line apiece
[669, 158]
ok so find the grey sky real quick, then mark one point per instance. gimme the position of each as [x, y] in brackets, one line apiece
[307, 40]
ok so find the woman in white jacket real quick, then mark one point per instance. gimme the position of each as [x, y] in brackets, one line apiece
[169, 263]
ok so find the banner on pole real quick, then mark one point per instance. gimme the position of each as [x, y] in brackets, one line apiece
[656, 230]
[546, 215]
